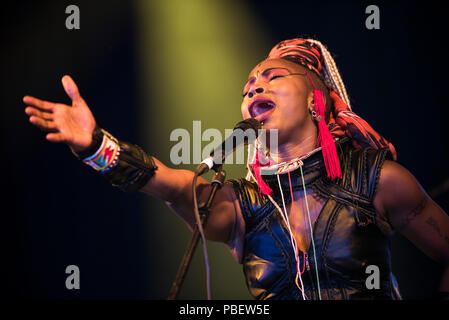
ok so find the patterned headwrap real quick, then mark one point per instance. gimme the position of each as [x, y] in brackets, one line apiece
[300, 50]
[342, 121]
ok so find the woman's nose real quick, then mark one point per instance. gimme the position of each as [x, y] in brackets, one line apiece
[257, 90]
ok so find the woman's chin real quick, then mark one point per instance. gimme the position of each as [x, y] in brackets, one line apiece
[270, 124]
[270, 132]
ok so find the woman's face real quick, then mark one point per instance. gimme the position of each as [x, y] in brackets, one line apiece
[278, 94]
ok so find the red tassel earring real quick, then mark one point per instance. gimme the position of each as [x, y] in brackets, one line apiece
[263, 187]
[325, 139]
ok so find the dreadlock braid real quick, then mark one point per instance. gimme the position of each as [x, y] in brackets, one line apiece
[332, 76]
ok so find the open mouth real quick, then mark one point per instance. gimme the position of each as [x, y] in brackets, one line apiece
[261, 109]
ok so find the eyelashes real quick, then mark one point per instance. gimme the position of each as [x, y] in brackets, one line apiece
[275, 77]
[272, 78]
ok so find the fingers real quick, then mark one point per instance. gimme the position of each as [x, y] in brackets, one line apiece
[44, 121]
[41, 119]
[45, 125]
[70, 88]
[36, 112]
[41, 104]
[55, 137]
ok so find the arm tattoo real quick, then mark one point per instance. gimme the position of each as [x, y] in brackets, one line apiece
[412, 214]
[434, 224]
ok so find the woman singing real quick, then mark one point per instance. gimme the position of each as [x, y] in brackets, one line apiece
[312, 218]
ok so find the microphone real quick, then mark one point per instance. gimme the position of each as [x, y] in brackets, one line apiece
[236, 139]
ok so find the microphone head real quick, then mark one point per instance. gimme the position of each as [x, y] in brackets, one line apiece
[249, 123]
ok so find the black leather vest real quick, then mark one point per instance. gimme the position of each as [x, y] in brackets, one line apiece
[348, 235]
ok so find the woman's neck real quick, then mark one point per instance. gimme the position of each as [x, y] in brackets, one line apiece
[294, 149]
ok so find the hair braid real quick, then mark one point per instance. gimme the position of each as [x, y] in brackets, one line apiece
[331, 74]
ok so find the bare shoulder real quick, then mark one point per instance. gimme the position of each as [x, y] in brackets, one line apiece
[407, 207]
[395, 175]
[398, 193]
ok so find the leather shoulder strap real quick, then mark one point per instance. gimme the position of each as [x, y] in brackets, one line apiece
[362, 169]
[253, 207]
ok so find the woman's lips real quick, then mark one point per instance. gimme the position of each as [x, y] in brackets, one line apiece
[261, 108]
[262, 117]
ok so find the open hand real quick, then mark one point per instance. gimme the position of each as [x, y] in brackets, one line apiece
[72, 125]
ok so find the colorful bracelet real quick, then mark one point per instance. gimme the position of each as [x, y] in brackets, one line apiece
[106, 157]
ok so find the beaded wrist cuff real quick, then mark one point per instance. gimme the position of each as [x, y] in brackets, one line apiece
[106, 157]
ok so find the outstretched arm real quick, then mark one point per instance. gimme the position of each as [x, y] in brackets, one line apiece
[402, 200]
[74, 125]
[175, 188]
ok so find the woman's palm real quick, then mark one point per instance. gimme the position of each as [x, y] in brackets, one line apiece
[72, 125]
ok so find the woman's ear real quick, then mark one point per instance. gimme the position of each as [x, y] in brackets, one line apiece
[311, 102]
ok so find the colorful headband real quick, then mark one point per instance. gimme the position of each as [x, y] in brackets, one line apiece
[301, 51]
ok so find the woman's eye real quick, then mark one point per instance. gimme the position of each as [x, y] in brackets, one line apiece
[274, 77]
[244, 95]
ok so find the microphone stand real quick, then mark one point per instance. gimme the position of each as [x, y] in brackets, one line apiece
[217, 183]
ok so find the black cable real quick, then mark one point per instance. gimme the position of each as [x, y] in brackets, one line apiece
[203, 238]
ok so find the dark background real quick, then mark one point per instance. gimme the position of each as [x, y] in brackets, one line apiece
[56, 212]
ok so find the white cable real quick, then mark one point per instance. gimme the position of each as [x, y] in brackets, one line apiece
[294, 244]
[311, 234]
[284, 216]
[292, 239]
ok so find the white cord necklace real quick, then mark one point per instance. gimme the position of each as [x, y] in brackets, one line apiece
[282, 168]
